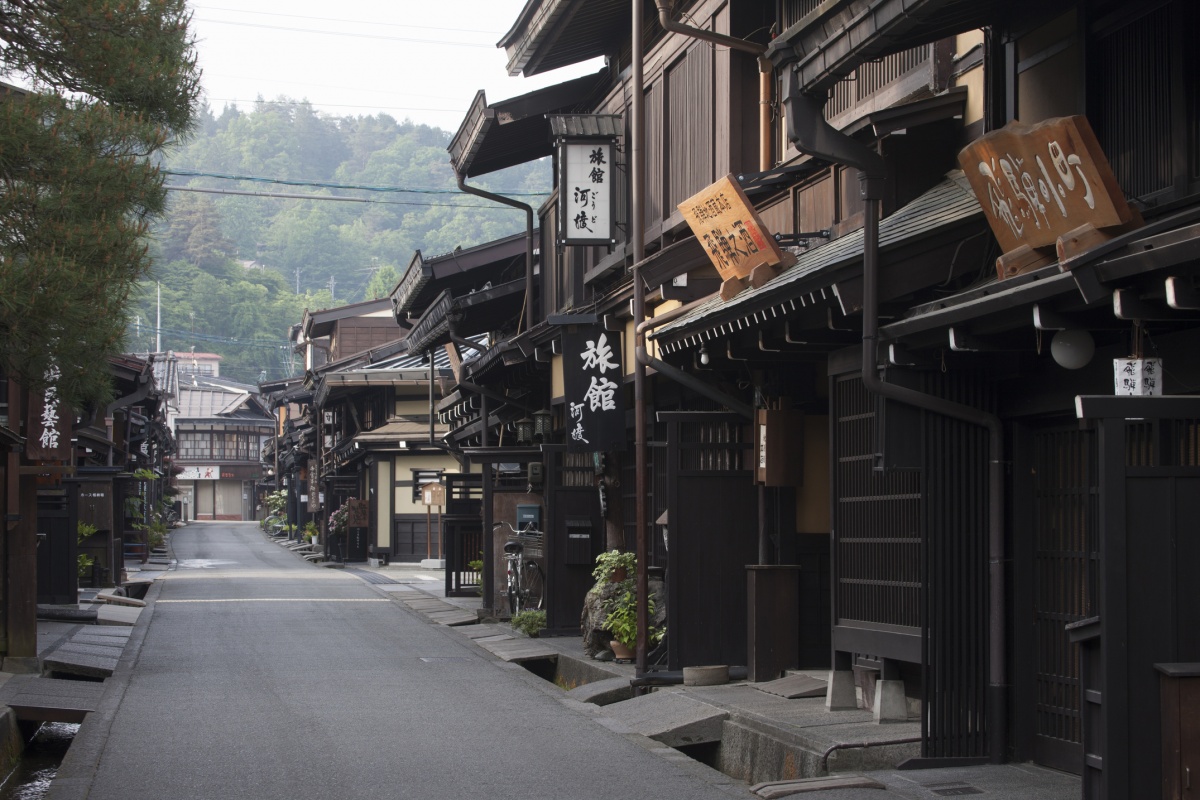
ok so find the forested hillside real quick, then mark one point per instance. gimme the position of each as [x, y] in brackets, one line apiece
[236, 267]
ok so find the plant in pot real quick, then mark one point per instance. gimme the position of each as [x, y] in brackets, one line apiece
[614, 566]
[311, 532]
[621, 622]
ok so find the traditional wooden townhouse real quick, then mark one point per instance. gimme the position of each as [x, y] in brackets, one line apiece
[989, 570]
[914, 389]
[220, 427]
[378, 447]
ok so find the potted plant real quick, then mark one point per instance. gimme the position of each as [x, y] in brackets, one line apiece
[621, 622]
[311, 531]
[614, 566]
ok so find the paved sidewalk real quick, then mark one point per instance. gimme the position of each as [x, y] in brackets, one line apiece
[796, 721]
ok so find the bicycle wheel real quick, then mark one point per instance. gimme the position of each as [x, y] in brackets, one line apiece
[514, 591]
[533, 589]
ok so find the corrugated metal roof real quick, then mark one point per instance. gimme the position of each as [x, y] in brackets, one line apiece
[949, 202]
[597, 125]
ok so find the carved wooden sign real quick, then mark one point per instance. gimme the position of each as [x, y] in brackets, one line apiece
[1038, 182]
[729, 228]
[359, 512]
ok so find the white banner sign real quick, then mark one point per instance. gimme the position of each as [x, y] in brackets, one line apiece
[200, 474]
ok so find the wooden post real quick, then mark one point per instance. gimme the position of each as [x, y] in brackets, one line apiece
[428, 532]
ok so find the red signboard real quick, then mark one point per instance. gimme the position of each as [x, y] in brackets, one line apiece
[1039, 182]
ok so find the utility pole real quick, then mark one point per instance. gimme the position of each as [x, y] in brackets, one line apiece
[158, 323]
[332, 284]
[297, 280]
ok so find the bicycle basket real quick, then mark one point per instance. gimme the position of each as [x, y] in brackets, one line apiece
[532, 545]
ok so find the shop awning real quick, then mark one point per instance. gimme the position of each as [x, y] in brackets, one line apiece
[831, 274]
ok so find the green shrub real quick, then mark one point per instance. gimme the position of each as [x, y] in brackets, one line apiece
[529, 623]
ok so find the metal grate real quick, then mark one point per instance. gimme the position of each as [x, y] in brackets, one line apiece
[956, 791]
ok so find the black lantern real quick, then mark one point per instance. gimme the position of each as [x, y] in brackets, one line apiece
[543, 425]
[524, 430]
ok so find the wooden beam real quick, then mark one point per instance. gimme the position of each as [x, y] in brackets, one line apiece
[1182, 294]
[1023, 259]
[1127, 305]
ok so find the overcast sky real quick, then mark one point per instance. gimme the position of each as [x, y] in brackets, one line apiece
[417, 59]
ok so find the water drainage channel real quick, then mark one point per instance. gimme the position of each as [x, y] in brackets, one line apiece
[30, 778]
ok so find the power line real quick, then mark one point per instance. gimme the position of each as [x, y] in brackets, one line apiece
[336, 198]
[373, 23]
[335, 105]
[188, 173]
[344, 33]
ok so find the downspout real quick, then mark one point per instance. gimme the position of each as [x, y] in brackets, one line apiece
[810, 132]
[637, 230]
[637, 181]
[764, 72]
[679, 376]
[528, 209]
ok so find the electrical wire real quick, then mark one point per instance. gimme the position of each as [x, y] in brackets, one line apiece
[188, 173]
[372, 23]
[405, 39]
[335, 198]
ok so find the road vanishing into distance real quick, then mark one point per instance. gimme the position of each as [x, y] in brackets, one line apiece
[260, 676]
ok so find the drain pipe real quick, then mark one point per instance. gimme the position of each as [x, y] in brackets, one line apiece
[810, 132]
[674, 373]
[765, 68]
[528, 209]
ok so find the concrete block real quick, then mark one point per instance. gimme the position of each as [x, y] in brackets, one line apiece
[117, 615]
[841, 694]
[601, 693]
[890, 705]
[670, 718]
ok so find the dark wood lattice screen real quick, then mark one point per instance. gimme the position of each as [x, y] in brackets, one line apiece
[877, 531]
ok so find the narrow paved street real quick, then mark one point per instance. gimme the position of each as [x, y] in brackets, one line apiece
[261, 676]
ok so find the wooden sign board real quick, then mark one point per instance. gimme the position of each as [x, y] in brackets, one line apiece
[360, 511]
[433, 494]
[1039, 182]
[729, 228]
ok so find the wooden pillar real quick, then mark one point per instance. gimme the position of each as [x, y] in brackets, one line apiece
[19, 568]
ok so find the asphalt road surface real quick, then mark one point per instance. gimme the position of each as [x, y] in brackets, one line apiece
[261, 676]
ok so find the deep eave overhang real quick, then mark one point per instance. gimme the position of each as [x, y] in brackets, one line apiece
[549, 34]
[838, 36]
[427, 276]
[320, 323]
[516, 131]
[469, 315]
[1169, 243]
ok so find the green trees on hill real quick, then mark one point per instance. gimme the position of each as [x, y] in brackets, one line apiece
[231, 264]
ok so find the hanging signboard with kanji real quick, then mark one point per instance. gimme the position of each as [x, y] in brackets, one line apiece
[1039, 182]
[586, 197]
[730, 230]
[49, 428]
[595, 411]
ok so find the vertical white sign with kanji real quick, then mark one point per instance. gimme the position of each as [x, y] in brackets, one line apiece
[586, 193]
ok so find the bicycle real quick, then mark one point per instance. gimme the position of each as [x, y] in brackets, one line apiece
[526, 580]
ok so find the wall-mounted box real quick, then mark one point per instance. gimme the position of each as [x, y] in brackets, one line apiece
[779, 447]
